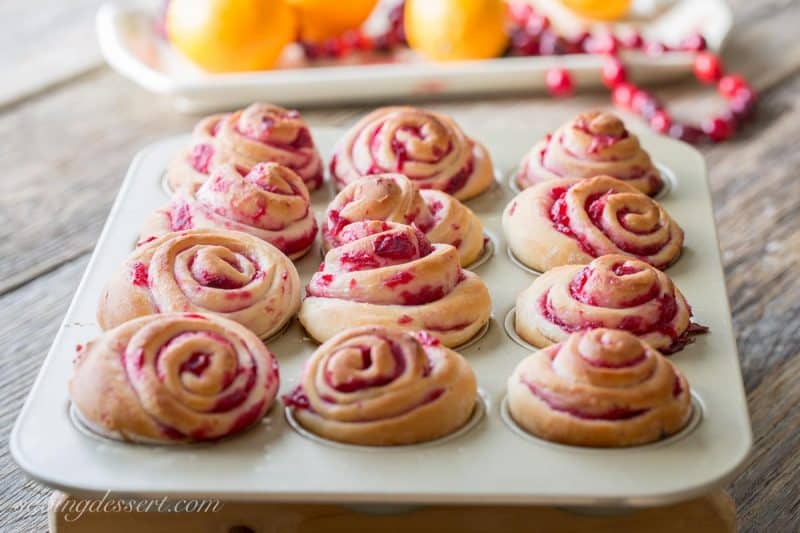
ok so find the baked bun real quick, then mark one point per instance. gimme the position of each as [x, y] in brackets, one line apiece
[395, 198]
[568, 222]
[600, 388]
[428, 147]
[173, 378]
[390, 275]
[229, 273]
[594, 143]
[380, 386]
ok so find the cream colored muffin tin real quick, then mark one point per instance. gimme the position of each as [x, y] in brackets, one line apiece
[488, 462]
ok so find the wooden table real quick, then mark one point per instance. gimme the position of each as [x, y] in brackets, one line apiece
[69, 127]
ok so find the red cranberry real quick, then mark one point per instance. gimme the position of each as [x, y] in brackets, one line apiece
[707, 67]
[622, 95]
[632, 39]
[559, 82]
[729, 85]
[718, 128]
[523, 43]
[551, 44]
[694, 43]
[686, 133]
[661, 121]
[614, 72]
[743, 103]
[604, 43]
[365, 42]
[644, 104]
[537, 24]
[654, 48]
[520, 12]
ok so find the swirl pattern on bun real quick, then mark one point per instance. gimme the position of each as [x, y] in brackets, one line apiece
[395, 198]
[380, 386]
[270, 202]
[257, 134]
[600, 388]
[594, 143]
[613, 291]
[573, 221]
[229, 273]
[174, 378]
[429, 148]
[390, 275]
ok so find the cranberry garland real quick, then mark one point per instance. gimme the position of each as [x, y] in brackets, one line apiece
[531, 34]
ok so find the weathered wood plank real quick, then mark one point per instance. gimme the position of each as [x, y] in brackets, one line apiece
[45, 43]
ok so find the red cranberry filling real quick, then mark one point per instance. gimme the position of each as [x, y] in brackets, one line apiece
[426, 339]
[399, 278]
[180, 217]
[424, 295]
[457, 182]
[359, 260]
[247, 418]
[613, 414]
[395, 246]
[196, 364]
[138, 274]
[297, 399]
[356, 383]
[200, 157]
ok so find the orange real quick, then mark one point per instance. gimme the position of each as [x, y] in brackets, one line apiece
[599, 9]
[231, 35]
[447, 30]
[323, 19]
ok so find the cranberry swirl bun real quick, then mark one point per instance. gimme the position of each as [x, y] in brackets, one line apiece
[378, 386]
[230, 273]
[573, 221]
[270, 202]
[427, 147]
[174, 378]
[395, 198]
[592, 144]
[599, 388]
[390, 275]
[259, 133]
[613, 291]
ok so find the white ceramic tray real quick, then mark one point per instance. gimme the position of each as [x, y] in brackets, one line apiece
[129, 43]
[490, 463]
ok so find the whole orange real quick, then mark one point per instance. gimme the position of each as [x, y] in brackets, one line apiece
[323, 19]
[231, 35]
[446, 30]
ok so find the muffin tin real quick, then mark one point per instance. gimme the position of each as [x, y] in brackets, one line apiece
[489, 461]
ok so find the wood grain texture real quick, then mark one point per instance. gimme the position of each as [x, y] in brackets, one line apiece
[70, 127]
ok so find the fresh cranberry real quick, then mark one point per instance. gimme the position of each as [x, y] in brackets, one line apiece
[559, 82]
[661, 121]
[393, 246]
[654, 48]
[718, 128]
[707, 67]
[520, 12]
[622, 95]
[552, 44]
[537, 24]
[614, 72]
[523, 43]
[694, 43]
[644, 104]
[729, 85]
[604, 43]
[743, 103]
[686, 133]
[632, 39]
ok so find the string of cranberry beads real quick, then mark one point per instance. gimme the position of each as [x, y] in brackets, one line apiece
[531, 34]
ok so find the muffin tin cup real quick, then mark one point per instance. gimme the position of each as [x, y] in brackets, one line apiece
[486, 461]
[474, 420]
